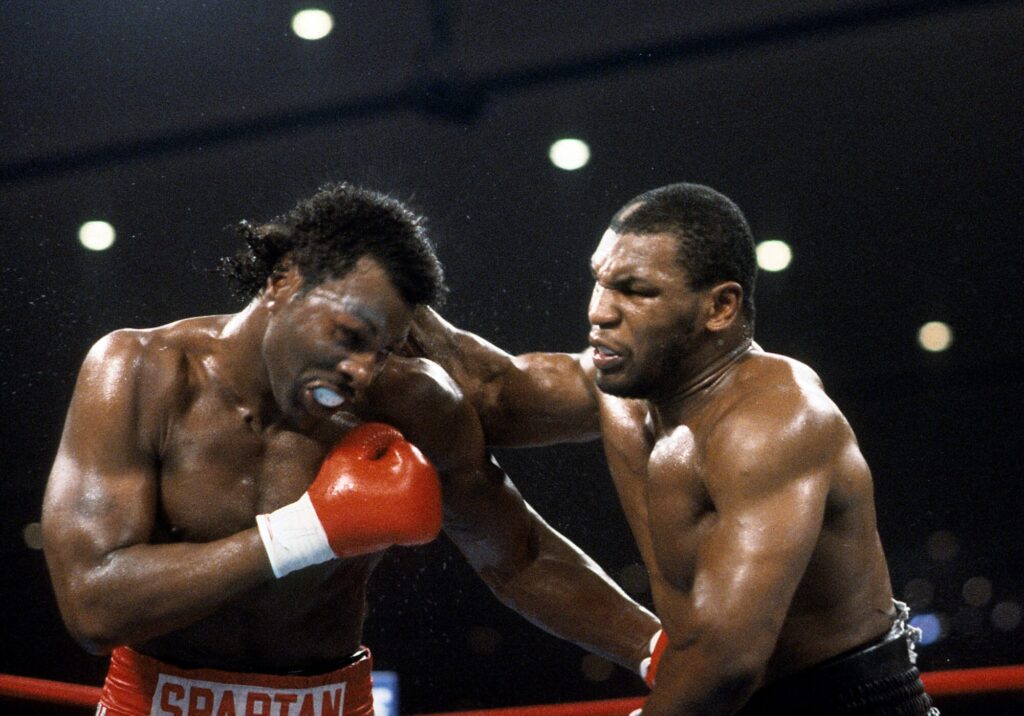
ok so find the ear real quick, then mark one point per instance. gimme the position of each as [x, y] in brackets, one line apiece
[281, 286]
[724, 306]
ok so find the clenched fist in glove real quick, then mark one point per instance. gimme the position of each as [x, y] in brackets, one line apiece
[374, 489]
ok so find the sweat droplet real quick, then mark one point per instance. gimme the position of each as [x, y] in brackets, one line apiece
[326, 397]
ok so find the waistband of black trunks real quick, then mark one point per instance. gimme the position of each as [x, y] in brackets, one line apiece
[879, 677]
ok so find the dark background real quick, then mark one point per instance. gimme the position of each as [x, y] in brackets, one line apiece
[883, 141]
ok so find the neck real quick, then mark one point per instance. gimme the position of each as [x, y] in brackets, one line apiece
[240, 362]
[715, 363]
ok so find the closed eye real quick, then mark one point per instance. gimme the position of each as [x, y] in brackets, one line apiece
[350, 338]
[635, 288]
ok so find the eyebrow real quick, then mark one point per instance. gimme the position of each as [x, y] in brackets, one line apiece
[357, 310]
[628, 277]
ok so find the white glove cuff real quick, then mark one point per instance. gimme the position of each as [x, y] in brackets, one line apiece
[294, 537]
[645, 663]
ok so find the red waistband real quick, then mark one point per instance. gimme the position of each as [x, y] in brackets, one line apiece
[137, 685]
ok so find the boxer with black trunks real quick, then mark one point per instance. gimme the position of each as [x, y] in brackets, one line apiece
[225, 485]
[742, 482]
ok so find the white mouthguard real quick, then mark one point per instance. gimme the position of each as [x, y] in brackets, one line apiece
[327, 397]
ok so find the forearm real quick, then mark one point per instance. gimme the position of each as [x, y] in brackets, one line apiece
[567, 594]
[527, 400]
[143, 591]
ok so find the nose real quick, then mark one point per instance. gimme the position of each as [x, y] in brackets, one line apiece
[359, 368]
[602, 310]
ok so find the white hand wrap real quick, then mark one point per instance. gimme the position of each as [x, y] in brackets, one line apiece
[294, 537]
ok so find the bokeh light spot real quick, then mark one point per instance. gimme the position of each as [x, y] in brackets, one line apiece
[1006, 616]
[930, 626]
[935, 336]
[774, 255]
[33, 535]
[569, 154]
[312, 24]
[977, 591]
[96, 235]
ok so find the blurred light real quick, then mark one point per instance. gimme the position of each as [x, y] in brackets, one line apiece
[33, 535]
[484, 640]
[633, 579]
[943, 546]
[385, 693]
[977, 591]
[774, 255]
[1006, 616]
[595, 668]
[930, 626]
[918, 593]
[312, 24]
[935, 336]
[569, 154]
[96, 235]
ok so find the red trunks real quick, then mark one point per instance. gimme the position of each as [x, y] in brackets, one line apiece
[137, 685]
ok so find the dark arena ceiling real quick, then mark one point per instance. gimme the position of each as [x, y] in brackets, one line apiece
[883, 142]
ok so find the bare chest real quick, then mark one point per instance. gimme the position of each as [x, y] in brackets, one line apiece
[218, 470]
[660, 484]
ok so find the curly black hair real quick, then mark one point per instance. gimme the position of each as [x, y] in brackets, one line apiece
[325, 235]
[715, 240]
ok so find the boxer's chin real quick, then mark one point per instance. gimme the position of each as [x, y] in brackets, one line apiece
[614, 383]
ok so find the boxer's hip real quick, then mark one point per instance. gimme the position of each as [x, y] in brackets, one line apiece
[877, 679]
[137, 685]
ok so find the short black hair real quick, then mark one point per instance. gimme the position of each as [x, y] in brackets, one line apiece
[325, 235]
[715, 240]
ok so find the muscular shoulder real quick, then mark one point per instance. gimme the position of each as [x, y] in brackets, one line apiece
[139, 373]
[419, 398]
[776, 419]
[126, 360]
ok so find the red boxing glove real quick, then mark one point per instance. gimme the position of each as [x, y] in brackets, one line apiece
[373, 490]
[649, 666]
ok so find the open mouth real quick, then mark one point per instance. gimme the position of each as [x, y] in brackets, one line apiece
[604, 357]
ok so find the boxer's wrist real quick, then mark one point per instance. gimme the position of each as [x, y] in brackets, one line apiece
[293, 537]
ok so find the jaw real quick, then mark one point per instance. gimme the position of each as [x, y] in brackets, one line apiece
[618, 383]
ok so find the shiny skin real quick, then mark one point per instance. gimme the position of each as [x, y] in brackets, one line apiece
[178, 436]
[743, 484]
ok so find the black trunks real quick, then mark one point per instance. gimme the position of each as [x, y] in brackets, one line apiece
[877, 679]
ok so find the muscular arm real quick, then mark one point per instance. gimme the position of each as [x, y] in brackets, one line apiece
[528, 565]
[532, 399]
[100, 510]
[767, 474]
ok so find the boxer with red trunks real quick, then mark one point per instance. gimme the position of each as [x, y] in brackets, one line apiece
[137, 684]
[225, 485]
